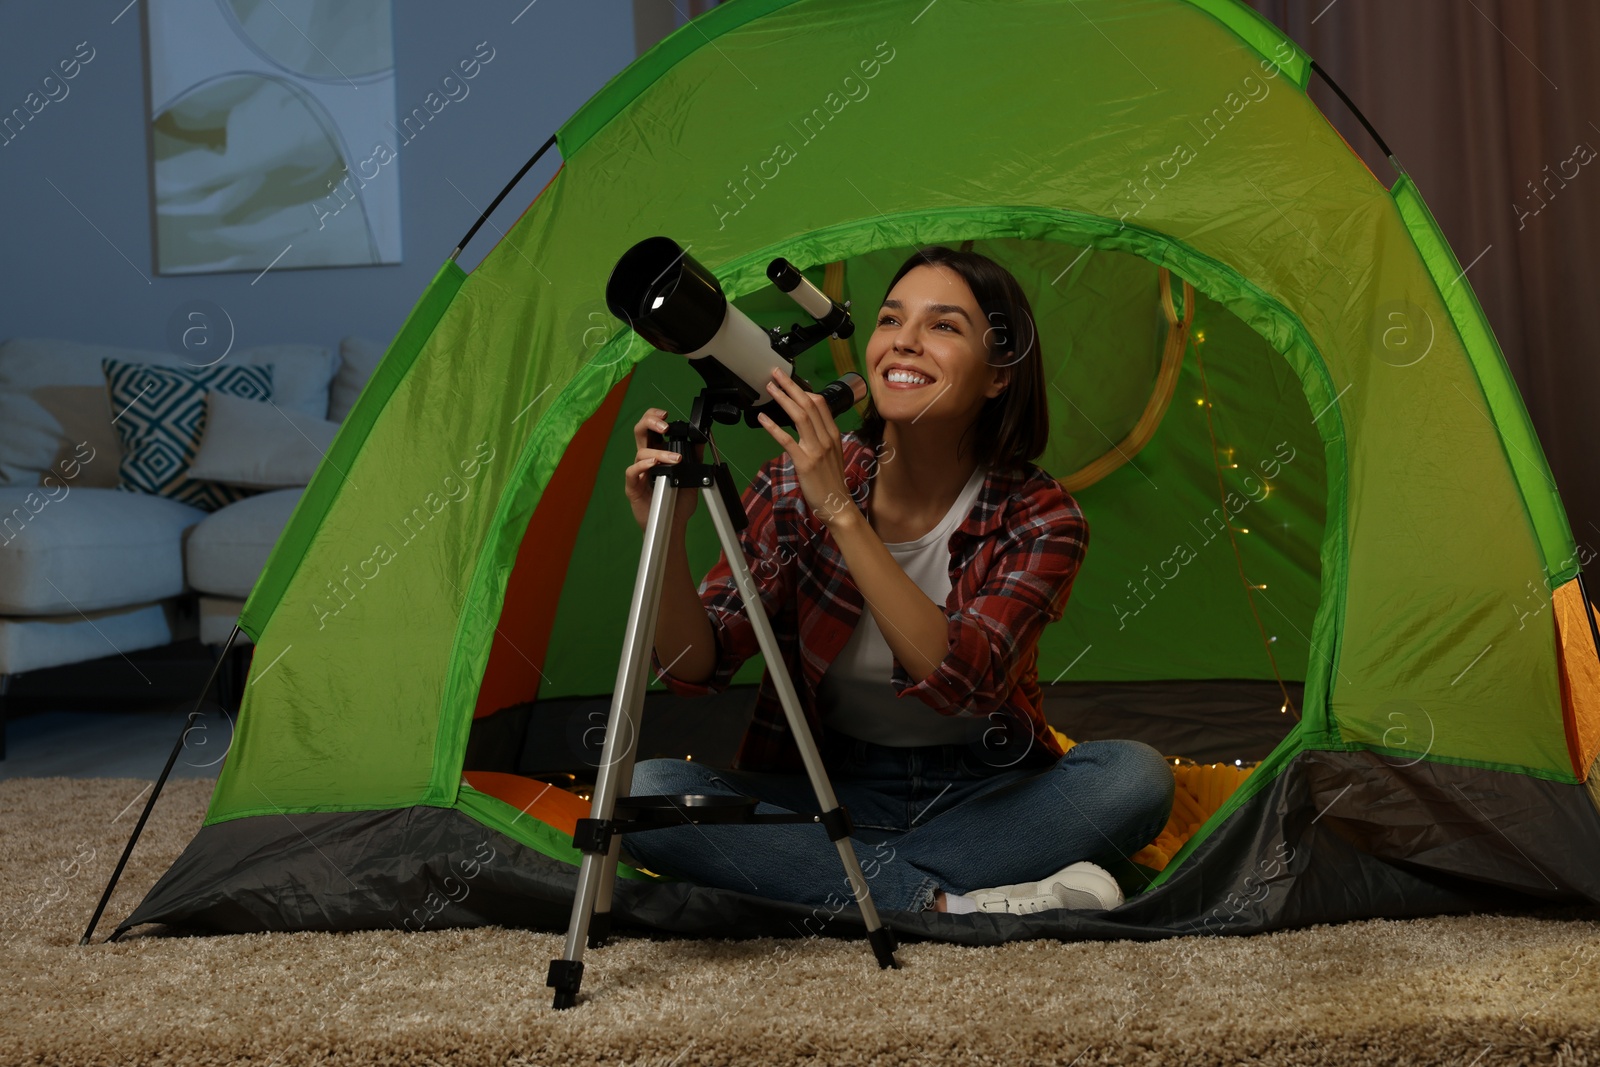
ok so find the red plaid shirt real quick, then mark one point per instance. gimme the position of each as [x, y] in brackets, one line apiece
[1012, 562]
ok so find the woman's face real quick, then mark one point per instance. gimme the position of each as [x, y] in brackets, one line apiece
[930, 324]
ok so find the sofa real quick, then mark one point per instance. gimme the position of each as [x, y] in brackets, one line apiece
[99, 560]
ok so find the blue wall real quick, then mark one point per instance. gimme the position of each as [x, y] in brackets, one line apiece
[83, 270]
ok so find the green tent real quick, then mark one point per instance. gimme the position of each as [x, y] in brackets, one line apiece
[1302, 457]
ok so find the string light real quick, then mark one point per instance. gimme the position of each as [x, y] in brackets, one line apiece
[1205, 392]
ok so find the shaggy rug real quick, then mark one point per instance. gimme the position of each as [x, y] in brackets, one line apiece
[1468, 990]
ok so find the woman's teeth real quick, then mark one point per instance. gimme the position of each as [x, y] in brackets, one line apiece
[906, 378]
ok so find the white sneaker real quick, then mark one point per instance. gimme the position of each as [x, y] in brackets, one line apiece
[1080, 886]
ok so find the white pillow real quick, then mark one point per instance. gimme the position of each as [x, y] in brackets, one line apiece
[259, 445]
[358, 358]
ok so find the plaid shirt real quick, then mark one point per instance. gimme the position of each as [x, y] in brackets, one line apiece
[1012, 562]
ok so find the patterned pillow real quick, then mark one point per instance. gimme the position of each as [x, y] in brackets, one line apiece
[160, 415]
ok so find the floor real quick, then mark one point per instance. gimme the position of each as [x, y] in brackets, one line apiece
[114, 744]
[1483, 989]
[115, 718]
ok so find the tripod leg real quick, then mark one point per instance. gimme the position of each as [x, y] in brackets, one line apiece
[833, 816]
[622, 733]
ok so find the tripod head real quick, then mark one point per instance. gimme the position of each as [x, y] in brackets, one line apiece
[713, 404]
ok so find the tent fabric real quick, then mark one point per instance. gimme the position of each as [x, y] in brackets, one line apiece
[1345, 493]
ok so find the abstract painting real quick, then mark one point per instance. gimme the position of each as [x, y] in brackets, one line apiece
[270, 122]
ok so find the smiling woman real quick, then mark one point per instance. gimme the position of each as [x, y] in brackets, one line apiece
[916, 609]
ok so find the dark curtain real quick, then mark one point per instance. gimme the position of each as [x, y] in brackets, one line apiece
[1486, 104]
[654, 19]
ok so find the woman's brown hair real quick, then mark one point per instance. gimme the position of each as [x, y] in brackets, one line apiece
[1013, 427]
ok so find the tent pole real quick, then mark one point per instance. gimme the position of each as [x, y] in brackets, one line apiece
[496, 201]
[1356, 111]
[138, 828]
[1588, 613]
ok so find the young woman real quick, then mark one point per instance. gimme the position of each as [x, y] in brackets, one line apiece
[908, 569]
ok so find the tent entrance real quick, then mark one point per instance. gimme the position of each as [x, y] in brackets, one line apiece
[1201, 589]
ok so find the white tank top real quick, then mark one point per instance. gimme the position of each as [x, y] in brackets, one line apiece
[855, 696]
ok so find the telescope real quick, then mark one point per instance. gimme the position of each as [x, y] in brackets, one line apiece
[671, 300]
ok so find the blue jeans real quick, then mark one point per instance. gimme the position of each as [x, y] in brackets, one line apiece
[925, 818]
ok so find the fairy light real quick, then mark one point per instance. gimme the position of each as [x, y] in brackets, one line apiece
[1204, 402]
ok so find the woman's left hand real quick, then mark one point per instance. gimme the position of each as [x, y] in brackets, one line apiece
[819, 454]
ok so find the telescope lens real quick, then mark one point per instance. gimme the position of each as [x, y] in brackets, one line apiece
[666, 296]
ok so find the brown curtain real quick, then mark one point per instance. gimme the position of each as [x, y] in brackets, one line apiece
[1484, 103]
[1476, 99]
[654, 19]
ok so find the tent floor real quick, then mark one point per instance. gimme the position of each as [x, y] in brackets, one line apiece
[1205, 720]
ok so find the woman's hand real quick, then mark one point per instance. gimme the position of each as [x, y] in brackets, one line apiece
[819, 454]
[640, 485]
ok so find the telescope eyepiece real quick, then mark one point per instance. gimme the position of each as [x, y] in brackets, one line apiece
[782, 274]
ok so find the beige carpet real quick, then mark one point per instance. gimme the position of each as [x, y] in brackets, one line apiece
[1472, 990]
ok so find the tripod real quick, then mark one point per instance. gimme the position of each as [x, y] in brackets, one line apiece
[613, 812]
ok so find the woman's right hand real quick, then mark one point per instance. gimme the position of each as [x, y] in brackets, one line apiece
[640, 486]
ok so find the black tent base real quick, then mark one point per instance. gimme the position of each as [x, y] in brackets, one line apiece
[1336, 836]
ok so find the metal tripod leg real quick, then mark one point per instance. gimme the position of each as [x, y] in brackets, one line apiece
[881, 939]
[627, 705]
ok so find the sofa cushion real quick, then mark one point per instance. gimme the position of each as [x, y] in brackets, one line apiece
[228, 551]
[259, 445]
[160, 416]
[53, 400]
[32, 644]
[66, 549]
[358, 358]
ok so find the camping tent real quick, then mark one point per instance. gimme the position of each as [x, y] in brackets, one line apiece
[1301, 454]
